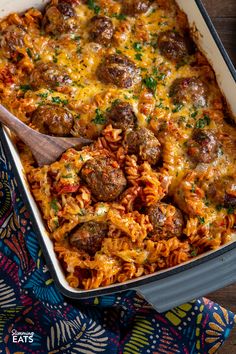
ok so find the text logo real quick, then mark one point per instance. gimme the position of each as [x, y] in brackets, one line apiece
[22, 337]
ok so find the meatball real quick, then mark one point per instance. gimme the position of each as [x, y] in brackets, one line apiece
[57, 18]
[11, 39]
[48, 75]
[167, 221]
[118, 70]
[143, 142]
[121, 115]
[189, 90]
[89, 236]
[203, 147]
[101, 30]
[223, 191]
[52, 119]
[104, 177]
[172, 45]
[135, 7]
[66, 9]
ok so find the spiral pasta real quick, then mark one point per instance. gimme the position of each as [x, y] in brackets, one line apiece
[157, 185]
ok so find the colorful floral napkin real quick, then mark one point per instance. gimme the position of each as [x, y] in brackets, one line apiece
[36, 318]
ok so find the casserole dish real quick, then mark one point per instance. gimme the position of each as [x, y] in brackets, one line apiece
[159, 288]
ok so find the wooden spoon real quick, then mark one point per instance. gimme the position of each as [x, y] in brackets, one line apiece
[46, 149]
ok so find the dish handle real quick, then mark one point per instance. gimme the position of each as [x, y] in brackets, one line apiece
[199, 280]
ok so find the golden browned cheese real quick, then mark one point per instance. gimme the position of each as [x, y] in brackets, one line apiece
[164, 140]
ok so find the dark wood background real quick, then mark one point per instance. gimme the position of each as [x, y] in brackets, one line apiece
[223, 15]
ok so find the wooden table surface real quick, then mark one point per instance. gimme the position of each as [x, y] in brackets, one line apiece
[223, 15]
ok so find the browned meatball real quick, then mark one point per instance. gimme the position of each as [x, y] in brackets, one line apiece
[167, 221]
[223, 191]
[89, 236]
[57, 18]
[104, 177]
[189, 90]
[101, 30]
[12, 39]
[172, 45]
[48, 75]
[203, 147]
[135, 7]
[51, 119]
[121, 115]
[66, 9]
[143, 142]
[118, 70]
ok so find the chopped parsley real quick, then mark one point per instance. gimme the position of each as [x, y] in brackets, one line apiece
[28, 51]
[99, 118]
[138, 56]
[230, 210]
[78, 49]
[135, 97]
[194, 114]
[201, 123]
[194, 252]
[43, 95]
[59, 100]
[201, 220]
[150, 83]
[137, 47]
[158, 75]
[148, 119]
[25, 88]
[178, 107]
[93, 6]
[119, 16]
[54, 205]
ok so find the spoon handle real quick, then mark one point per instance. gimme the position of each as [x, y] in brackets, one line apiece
[16, 125]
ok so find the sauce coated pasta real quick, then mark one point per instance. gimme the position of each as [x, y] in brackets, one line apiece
[157, 185]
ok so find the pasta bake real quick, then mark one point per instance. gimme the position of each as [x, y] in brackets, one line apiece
[157, 187]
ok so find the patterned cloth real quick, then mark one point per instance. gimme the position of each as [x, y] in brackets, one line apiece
[123, 323]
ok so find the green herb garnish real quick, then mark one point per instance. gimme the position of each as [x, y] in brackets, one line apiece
[194, 252]
[230, 210]
[119, 16]
[194, 114]
[150, 83]
[25, 88]
[137, 47]
[59, 100]
[54, 205]
[93, 6]
[201, 123]
[201, 220]
[138, 56]
[99, 118]
[178, 107]
[43, 95]
[28, 51]
[148, 119]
